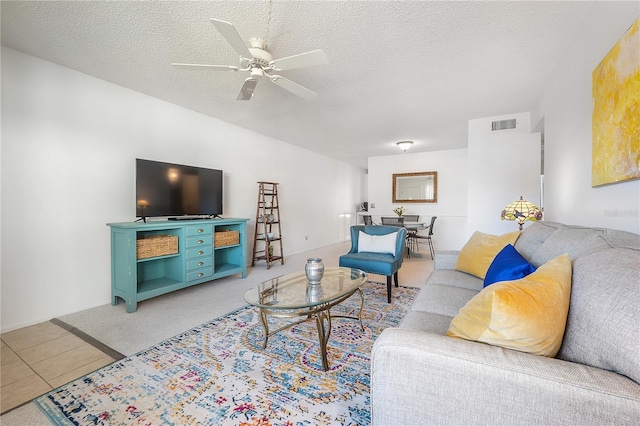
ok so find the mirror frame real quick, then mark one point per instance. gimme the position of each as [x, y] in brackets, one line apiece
[423, 200]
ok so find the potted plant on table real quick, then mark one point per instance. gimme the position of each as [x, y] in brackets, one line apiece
[399, 211]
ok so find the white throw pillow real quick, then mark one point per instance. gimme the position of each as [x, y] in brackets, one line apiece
[377, 243]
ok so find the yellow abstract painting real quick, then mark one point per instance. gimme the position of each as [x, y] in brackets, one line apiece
[616, 112]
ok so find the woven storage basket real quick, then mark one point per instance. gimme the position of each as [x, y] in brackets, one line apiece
[157, 245]
[226, 238]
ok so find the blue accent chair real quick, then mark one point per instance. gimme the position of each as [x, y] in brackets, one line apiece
[376, 263]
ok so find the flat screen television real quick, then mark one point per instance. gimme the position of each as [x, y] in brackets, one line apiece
[165, 189]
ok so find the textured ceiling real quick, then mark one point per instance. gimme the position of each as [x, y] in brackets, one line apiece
[397, 69]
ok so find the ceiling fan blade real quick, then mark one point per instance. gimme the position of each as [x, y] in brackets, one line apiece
[246, 92]
[207, 67]
[308, 59]
[230, 33]
[292, 87]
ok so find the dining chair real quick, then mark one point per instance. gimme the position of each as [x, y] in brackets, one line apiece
[393, 221]
[428, 237]
[367, 219]
[412, 232]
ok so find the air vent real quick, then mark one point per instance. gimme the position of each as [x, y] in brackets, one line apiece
[503, 125]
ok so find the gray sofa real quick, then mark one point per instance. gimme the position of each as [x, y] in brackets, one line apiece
[419, 376]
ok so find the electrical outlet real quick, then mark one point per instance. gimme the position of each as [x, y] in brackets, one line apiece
[373, 205]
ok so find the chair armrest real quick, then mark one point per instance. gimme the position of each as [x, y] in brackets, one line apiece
[423, 378]
[445, 259]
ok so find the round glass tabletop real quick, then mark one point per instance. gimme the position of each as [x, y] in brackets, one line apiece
[292, 291]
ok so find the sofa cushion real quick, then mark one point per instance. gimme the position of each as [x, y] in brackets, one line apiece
[377, 243]
[533, 236]
[508, 265]
[454, 279]
[478, 253]
[527, 315]
[442, 299]
[426, 321]
[603, 326]
[573, 240]
[622, 239]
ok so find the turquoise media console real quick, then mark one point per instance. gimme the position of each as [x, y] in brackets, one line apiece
[192, 252]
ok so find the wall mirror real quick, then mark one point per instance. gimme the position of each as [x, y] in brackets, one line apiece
[421, 187]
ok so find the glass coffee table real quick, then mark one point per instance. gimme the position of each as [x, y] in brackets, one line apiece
[291, 296]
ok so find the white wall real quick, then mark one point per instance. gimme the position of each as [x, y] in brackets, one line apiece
[451, 208]
[566, 105]
[503, 165]
[474, 184]
[69, 143]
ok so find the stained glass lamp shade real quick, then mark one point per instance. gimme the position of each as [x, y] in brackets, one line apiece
[520, 211]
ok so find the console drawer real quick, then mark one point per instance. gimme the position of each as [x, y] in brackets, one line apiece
[193, 253]
[202, 240]
[199, 274]
[199, 230]
[199, 263]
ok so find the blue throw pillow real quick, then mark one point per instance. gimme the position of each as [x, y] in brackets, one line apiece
[508, 265]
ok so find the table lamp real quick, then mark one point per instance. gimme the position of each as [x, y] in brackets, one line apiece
[520, 211]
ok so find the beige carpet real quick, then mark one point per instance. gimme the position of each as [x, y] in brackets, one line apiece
[163, 317]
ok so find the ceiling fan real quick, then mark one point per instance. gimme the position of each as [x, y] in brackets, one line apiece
[256, 60]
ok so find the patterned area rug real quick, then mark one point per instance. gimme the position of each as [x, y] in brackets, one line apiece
[218, 373]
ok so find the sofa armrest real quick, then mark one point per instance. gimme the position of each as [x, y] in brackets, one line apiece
[424, 378]
[445, 259]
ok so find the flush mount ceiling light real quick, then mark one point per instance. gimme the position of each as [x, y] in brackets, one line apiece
[404, 145]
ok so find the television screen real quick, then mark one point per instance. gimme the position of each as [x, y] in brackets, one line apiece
[165, 189]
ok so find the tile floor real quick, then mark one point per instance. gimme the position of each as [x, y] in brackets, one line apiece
[44, 356]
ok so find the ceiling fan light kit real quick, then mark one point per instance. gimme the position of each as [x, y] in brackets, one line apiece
[256, 60]
[246, 91]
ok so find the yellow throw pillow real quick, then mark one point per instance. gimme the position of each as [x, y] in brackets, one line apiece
[527, 315]
[476, 256]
